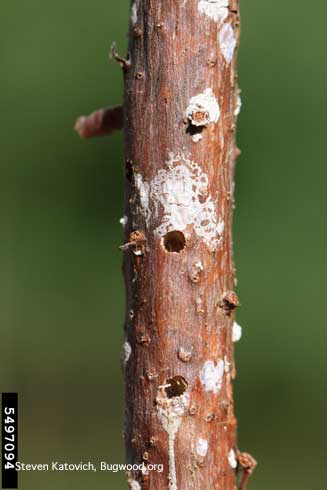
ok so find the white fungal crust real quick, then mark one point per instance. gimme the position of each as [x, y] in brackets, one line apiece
[203, 109]
[202, 447]
[227, 42]
[181, 193]
[126, 352]
[236, 332]
[211, 376]
[232, 459]
[217, 10]
[170, 413]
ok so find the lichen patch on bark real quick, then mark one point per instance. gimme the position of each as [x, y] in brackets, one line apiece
[123, 221]
[217, 10]
[227, 42]
[238, 105]
[232, 459]
[182, 192]
[202, 447]
[236, 332]
[211, 376]
[133, 484]
[170, 413]
[135, 6]
[126, 352]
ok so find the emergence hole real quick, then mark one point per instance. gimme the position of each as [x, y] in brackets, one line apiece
[175, 386]
[192, 130]
[174, 241]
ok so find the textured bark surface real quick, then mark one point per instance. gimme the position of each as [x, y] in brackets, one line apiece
[178, 265]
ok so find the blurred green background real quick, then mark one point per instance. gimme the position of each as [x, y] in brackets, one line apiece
[62, 296]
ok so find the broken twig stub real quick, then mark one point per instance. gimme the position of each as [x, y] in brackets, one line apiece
[102, 122]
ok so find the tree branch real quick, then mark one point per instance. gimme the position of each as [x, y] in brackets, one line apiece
[181, 107]
[101, 122]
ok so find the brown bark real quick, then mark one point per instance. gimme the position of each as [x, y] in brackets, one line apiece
[179, 273]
